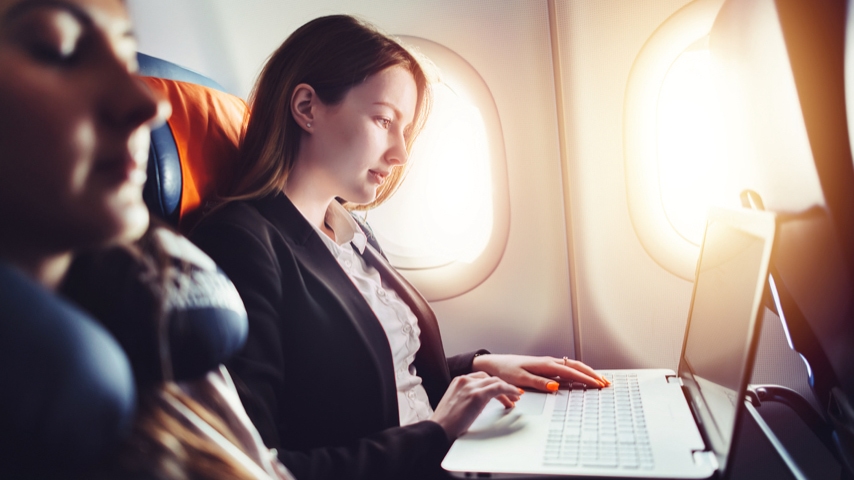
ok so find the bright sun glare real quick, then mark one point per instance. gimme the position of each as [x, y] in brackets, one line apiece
[443, 211]
[692, 167]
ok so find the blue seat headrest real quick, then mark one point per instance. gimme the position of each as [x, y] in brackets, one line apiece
[162, 191]
[68, 394]
[155, 67]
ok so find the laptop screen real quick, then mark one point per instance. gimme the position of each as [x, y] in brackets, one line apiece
[723, 324]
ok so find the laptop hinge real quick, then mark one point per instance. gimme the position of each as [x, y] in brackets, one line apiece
[674, 379]
[706, 457]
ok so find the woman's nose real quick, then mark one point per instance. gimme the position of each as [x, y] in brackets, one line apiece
[398, 153]
[129, 103]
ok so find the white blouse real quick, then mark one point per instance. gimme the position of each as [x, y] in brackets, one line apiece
[395, 316]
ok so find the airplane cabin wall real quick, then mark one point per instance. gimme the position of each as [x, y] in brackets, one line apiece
[524, 306]
[630, 311]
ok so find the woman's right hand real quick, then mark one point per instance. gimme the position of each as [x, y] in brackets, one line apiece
[466, 397]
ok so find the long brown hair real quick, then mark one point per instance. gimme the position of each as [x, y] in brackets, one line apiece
[332, 54]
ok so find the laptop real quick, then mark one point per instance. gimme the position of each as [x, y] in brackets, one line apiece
[651, 423]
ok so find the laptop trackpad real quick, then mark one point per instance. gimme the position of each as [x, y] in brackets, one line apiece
[531, 403]
[497, 421]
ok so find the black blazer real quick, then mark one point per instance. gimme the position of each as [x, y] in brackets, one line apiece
[316, 374]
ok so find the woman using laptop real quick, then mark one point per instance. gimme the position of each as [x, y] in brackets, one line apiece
[344, 369]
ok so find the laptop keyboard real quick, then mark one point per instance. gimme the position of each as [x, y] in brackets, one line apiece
[600, 428]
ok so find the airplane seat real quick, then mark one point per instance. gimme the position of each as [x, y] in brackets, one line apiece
[190, 157]
[815, 34]
[812, 271]
[193, 154]
[68, 394]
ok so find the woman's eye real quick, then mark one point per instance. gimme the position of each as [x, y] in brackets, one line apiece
[51, 53]
[49, 36]
[384, 122]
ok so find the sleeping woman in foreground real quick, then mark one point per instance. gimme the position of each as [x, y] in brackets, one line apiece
[112, 330]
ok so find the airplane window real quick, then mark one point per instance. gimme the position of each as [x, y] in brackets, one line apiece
[692, 167]
[443, 211]
[672, 164]
[446, 227]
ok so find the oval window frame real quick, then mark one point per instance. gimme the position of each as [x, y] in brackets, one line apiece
[649, 218]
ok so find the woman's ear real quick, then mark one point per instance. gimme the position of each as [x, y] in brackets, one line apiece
[303, 105]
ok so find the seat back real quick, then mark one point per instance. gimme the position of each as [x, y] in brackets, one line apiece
[193, 155]
[815, 40]
[795, 111]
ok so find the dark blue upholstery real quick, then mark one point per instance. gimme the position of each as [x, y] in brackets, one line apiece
[162, 192]
[155, 67]
[67, 393]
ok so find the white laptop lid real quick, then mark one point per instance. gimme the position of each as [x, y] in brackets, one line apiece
[719, 346]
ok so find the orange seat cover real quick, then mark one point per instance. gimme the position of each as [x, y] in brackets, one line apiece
[207, 126]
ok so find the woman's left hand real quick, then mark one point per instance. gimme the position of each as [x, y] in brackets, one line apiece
[538, 372]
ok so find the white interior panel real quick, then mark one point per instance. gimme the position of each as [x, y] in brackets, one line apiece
[631, 312]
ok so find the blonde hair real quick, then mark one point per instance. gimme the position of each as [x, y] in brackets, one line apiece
[164, 445]
[332, 54]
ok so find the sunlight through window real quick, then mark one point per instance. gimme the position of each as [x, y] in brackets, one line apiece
[674, 166]
[443, 210]
[692, 167]
[446, 227]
